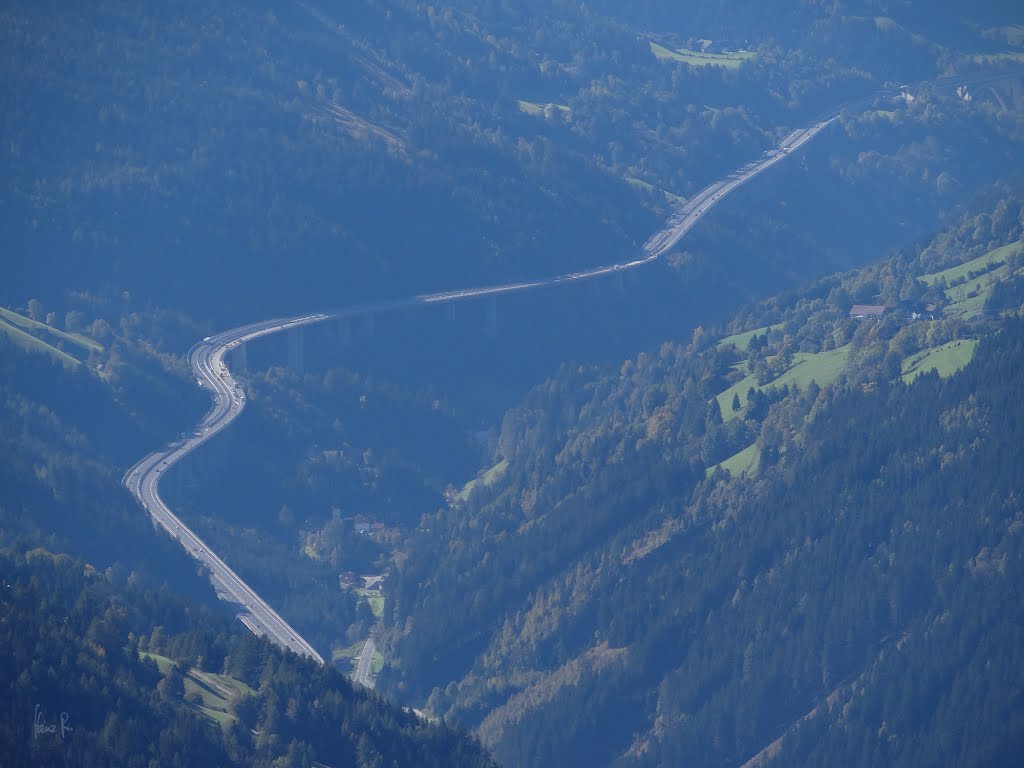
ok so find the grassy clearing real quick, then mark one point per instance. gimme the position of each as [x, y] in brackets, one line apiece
[30, 343]
[729, 59]
[350, 652]
[206, 693]
[968, 299]
[374, 599]
[742, 463]
[641, 184]
[82, 344]
[376, 663]
[820, 367]
[966, 303]
[740, 388]
[218, 716]
[489, 477]
[228, 685]
[742, 340]
[945, 360]
[986, 262]
[209, 697]
[162, 662]
[550, 110]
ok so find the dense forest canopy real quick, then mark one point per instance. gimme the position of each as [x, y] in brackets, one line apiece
[210, 157]
[99, 672]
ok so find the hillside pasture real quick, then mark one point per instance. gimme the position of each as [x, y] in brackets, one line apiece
[968, 299]
[489, 477]
[207, 693]
[742, 340]
[742, 463]
[30, 343]
[728, 59]
[66, 347]
[984, 263]
[945, 360]
[820, 367]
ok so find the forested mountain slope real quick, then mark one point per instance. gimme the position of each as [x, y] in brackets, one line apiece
[99, 672]
[616, 595]
[67, 431]
[212, 157]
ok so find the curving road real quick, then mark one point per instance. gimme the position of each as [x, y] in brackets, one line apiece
[207, 361]
[143, 479]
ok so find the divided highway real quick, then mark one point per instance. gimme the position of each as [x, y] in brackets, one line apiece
[143, 479]
[211, 372]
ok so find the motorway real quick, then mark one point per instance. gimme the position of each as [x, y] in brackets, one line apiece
[208, 365]
[143, 479]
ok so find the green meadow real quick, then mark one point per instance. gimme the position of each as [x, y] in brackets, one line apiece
[742, 340]
[944, 360]
[729, 59]
[207, 693]
[820, 367]
[374, 599]
[983, 263]
[742, 463]
[486, 479]
[66, 347]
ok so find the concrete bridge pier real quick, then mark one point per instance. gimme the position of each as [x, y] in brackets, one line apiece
[296, 351]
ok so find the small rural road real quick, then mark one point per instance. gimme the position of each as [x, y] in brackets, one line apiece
[365, 657]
